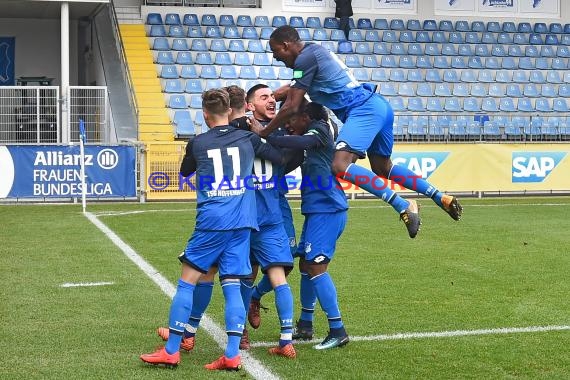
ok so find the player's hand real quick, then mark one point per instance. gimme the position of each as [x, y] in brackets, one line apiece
[281, 93]
[255, 126]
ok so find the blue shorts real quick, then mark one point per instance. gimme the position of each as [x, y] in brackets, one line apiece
[320, 233]
[229, 249]
[270, 247]
[288, 222]
[368, 128]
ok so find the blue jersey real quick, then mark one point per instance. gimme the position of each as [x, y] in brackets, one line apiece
[222, 159]
[320, 190]
[327, 80]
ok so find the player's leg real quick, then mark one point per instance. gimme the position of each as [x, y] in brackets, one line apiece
[323, 230]
[308, 297]
[358, 133]
[284, 306]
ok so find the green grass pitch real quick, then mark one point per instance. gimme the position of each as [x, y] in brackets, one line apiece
[505, 265]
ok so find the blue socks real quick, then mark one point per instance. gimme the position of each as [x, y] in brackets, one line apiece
[284, 305]
[262, 288]
[246, 290]
[179, 314]
[202, 297]
[375, 185]
[234, 315]
[410, 180]
[308, 298]
[326, 293]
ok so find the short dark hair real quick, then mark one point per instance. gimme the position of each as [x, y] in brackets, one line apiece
[315, 111]
[285, 33]
[251, 91]
[216, 101]
[237, 96]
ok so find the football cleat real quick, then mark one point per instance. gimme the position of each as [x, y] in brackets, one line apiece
[224, 363]
[244, 341]
[161, 357]
[287, 351]
[452, 207]
[332, 341]
[253, 315]
[302, 333]
[187, 344]
[411, 218]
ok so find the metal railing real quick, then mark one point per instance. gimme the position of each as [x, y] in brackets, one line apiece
[207, 3]
[90, 104]
[29, 114]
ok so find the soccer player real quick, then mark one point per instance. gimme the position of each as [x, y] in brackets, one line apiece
[324, 205]
[222, 160]
[368, 122]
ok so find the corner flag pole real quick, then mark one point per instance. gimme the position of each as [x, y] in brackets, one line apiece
[82, 153]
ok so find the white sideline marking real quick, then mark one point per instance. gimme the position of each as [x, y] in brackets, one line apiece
[435, 334]
[74, 285]
[251, 365]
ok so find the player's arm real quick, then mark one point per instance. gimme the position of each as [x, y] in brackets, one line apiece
[267, 151]
[188, 165]
[307, 141]
[294, 159]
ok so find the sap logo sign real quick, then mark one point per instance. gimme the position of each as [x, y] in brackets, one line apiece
[421, 163]
[534, 166]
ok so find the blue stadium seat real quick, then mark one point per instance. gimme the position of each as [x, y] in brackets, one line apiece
[364, 23]
[543, 105]
[560, 105]
[475, 62]
[261, 59]
[520, 39]
[267, 73]
[515, 51]
[551, 39]
[285, 73]
[559, 64]
[199, 120]
[434, 105]
[249, 33]
[204, 58]
[397, 75]
[556, 28]
[448, 49]
[564, 90]
[526, 63]
[548, 91]
[503, 76]
[190, 19]
[462, 26]
[388, 61]
[352, 60]
[432, 75]
[452, 105]
[177, 101]
[491, 130]
[488, 38]
[415, 49]
[432, 49]
[397, 103]
[188, 72]
[514, 91]
[524, 27]
[313, 22]
[397, 24]
[407, 62]
[472, 38]
[439, 37]
[255, 46]
[530, 90]
[154, 19]
[194, 32]
[360, 48]
[228, 72]
[493, 27]
[563, 52]
[465, 50]
[525, 105]
[179, 44]
[266, 32]
[199, 44]
[536, 76]
[242, 59]
[157, 31]
[553, 76]
[345, 47]
[329, 45]
[496, 90]
[296, 22]
[388, 89]
[173, 86]
[172, 19]
[405, 89]
[231, 32]
[361, 74]
[379, 75]
[372, 36]
[430, 25]
[455, 38]
[222, 58]
[424, 62]
[535, 39]
[478, 26]
[482, 50]
[389, 36]
[547, 51]
[509, 27]
[485, 76]
[208, 20]
[164, 58]
[320, 35]
[492, 63]
[227, 20]
[407, 36]
[381, 24]
[304, 34]
[414, 24]
[498, 51]
[457, 130]
[236, 46]
[512, 130]
[278, 21]
[423, 37]
[370, 61]
[176, 31]
[184, 126]
[473, 130]
[244, 21]
[508, 63]
[209, 72]
[460, 89]
[355, 35]
[468, 76]
[442, 89]
[445, 26]
[213, 32]
[193, 86]
[478, 90]
[540, 27]
[160, 43]
[218, 45]
[415, 75]
[247, 72]
[337, 35]
[507, 105]
[398, 49]
[331, 23]
[440, 62]
[520, 76]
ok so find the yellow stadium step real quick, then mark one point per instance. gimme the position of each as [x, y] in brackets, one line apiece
[150, 99]
[142, 59]
[132, 53]
[138, 39]
[159, 128]
[146, 81]
[145, 66]
[136, 75]
[154, 119]
[156, 136]
[153, 111]
[148, 88]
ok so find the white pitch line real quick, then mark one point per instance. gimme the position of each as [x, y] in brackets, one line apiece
[78, 284]
[435, 334]
[251, 365]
